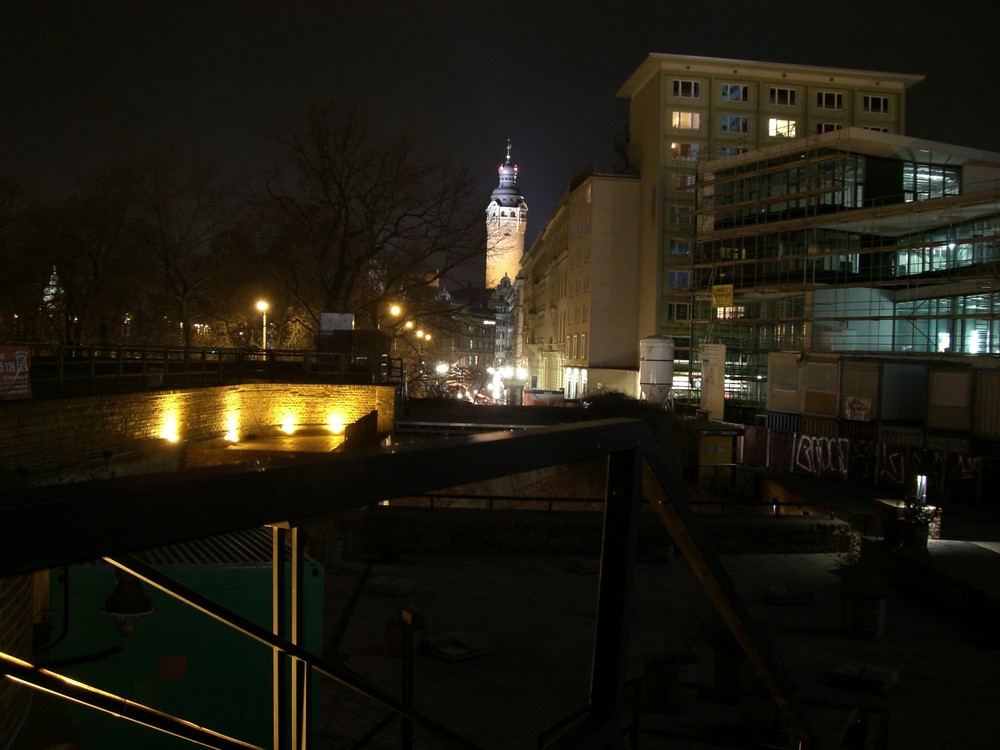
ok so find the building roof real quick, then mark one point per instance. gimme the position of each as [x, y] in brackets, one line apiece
[895, 219]
[871, 143]
[656, 62]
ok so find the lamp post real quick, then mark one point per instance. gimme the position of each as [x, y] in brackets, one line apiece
[262, 307]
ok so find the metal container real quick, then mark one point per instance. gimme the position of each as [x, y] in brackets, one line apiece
[656, 367]
[949, 399]
[903, 392]
[986, 416]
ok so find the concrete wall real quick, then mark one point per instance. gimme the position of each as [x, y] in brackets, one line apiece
[43, 437]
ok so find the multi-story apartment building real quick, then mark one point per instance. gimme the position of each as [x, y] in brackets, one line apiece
[684, 110]
[577, 291]
[850, 242]
[541, 290]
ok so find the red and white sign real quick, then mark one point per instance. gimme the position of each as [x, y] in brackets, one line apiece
[15, 365]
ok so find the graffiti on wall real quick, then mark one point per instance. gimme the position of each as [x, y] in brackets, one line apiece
[822, 456]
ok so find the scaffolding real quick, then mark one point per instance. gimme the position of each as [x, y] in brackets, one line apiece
[839, 244]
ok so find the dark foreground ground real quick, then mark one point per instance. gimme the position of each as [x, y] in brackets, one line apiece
[532, 617]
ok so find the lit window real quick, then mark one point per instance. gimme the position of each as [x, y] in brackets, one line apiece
[735, 124]
[680, 247]
[826, 127]
[776, 127]
[687, 89]
[829, 100]
[735, 92]
[686, 120]
[730, 313]
[684, 151]
[784, 97]
[878, 105]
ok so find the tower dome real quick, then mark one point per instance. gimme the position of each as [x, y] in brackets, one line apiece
[506, 192]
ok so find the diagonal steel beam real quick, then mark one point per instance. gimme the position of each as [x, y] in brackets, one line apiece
[78, 692]
[348, 679]
[669, 500]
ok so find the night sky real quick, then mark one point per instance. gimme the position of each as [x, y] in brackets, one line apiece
[82, 83]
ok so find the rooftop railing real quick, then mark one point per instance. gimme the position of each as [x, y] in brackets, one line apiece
[62, 370]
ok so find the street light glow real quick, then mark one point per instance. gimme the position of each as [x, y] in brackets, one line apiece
[262, 307]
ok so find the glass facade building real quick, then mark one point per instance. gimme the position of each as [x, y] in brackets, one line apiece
[850, 241]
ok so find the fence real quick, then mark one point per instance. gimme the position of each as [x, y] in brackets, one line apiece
[59, 370]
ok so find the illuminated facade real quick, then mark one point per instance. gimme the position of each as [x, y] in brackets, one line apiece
[541, 300]
[506, 222]
[578, 291]
[686, 110]
[847, 242]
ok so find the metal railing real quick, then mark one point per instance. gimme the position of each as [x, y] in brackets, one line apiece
[53, 526]
[60, 370]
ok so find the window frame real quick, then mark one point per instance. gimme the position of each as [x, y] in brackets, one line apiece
[868, 99]
[790, 94]
[693, 86]
[679, 117]
[743, 89]
[742, 121]
[776, 130]
[822, 99]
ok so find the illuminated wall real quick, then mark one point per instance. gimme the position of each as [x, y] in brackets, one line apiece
[85, 434]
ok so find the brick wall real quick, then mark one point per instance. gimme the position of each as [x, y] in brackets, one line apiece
[42, 437]
[15, 639]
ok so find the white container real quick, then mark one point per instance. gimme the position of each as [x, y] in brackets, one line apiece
[656, 367]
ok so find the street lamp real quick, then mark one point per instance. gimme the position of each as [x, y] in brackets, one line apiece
[262, 307]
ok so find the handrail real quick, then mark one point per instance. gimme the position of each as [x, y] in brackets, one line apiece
[60, 370]
[51, 526]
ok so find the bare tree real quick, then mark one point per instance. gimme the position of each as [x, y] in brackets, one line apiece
[184, 220]
[25, 273]
[356, 219]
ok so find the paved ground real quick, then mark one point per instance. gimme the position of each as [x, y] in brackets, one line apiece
[536, 616]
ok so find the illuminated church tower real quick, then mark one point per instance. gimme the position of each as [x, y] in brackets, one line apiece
[506, 220]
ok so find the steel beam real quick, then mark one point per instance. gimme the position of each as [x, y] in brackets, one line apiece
[50, 526]
[669, 500]
[341, 675]
[78, 692]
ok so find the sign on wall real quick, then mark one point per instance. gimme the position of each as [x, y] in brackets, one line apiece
[15, 382]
